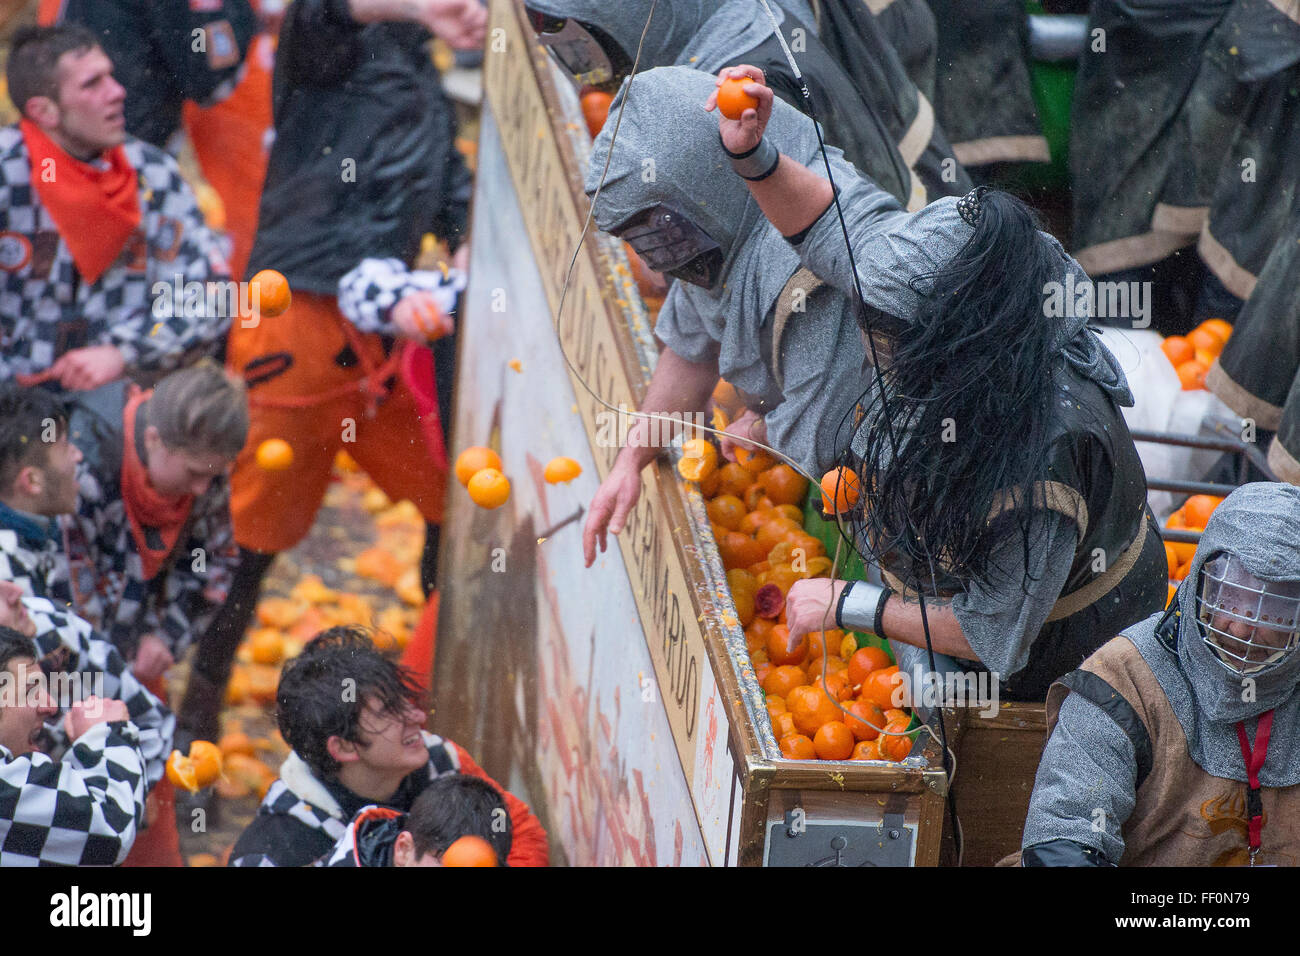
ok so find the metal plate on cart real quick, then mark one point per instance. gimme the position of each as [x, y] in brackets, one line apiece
[846, 842]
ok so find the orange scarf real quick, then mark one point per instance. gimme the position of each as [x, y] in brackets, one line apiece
[146, 509]
[96, 210]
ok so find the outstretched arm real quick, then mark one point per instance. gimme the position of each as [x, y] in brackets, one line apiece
[791, 196]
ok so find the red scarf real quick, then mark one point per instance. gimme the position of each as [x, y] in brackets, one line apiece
[145, 507]
[95, 210]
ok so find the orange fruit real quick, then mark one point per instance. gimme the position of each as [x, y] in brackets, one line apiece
[726, 397]
[489, 488]
[762, 671]
[895, 714]
[267, 646]
[699, 459]
[776, 646]
[734, 480]
[726, 510]
[732, 98]
[793, 512]
[377, 564]
[893, 747]
[819, 641]
[784, 679]
[797, 747]
[756, 632]
[207, 759]
[180, 771]
[836, 684]
[775, 705]
[1192, 375]
[1202, 339]
[1206, 357]
[1178, 350]
[785, 486]
[270, 293]
[812, 710]
[274, 454]
[754, 460]
[1183, 571]
[864, 661]
[709, 486]
[561, 469]
[237, 742]
[878, 687]
[473, 460]
[1171, 558]
[743, 586]
[865, 750]
[756, 500]
[595, 110]
[833, 741]
[281, 613]
[773, 533]
[866, 720]
[848, 647]
[840, 491]
[237, 687]
[470, 851]
[263, 682]
[1219, 327]
[752, 521]
[1197, 510]
[783, 725]
[738, 550]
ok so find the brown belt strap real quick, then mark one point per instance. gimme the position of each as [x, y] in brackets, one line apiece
[802, 281]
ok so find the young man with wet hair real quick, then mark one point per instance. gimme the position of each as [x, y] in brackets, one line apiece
[351, 716]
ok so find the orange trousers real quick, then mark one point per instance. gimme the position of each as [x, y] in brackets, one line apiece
[318, 406]
[158, 844]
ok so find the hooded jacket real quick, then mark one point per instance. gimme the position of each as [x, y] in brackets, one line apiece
[822, 351]
[1113, 760]
[363, 163]
[875, 115]
[302, 817]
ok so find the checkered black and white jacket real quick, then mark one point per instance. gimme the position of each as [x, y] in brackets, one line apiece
[38, 567]
[66, 644]
[368, 292]
[108, 582]
[47, 309]
[81, 810]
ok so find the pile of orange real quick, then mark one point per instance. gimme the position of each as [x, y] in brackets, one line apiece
[1192, 516]
[753, 506]
[1193, 354]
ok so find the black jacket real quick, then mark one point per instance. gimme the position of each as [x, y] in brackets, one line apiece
[161, 61]
[364, 162]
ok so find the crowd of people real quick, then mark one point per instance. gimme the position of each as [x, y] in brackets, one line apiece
[1004, 503]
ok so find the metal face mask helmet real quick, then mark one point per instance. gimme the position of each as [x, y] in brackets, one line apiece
[590, 55]
[670, 243]
[1249, 625]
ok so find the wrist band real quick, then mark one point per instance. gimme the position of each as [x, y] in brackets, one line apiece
[861, 607]
[755, 164]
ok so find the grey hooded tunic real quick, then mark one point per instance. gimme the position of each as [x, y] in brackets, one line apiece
[665, 128]
[1106, 782]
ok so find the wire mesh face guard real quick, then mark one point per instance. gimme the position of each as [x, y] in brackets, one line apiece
[585, 52]
[1249, 625]
[670, 243]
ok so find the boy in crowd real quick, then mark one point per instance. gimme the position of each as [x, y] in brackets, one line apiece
[452, 806]
[351, 717]
[82, 810]
[77, 303]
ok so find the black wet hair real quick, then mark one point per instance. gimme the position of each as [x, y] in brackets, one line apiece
[13, 646]
[979, 351]
[324, 690]
[34, 54]
[24, 416]
[456, 805]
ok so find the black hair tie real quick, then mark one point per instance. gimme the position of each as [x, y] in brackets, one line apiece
[969, 206]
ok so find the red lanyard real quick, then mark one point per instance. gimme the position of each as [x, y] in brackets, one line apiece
[1254, 761]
